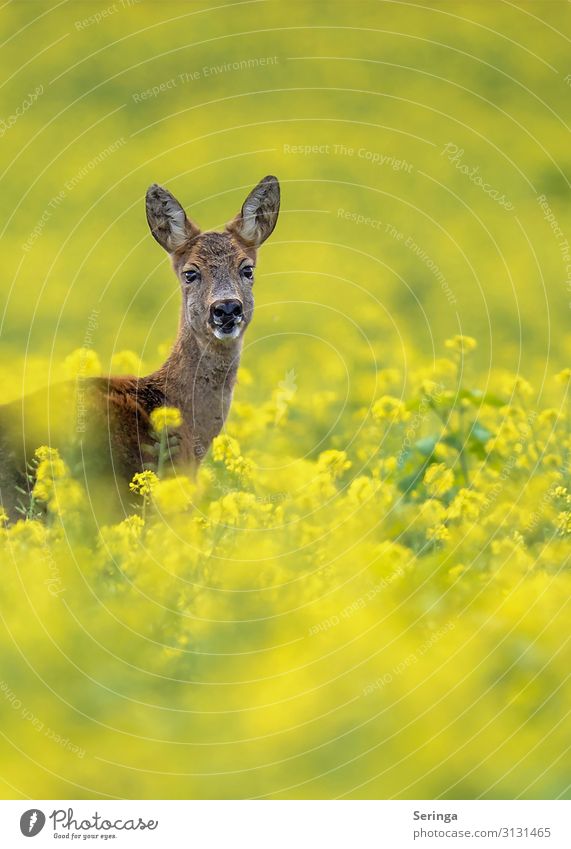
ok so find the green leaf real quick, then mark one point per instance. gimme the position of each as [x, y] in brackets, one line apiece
[480, 433]
[477, 397]
[453, 440]
[410, 482]
[151, 448]
[427, 444]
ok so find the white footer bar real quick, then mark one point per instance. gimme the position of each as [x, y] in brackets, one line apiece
[287, 824]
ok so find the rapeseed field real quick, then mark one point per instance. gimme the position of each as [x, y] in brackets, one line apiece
[364, 592]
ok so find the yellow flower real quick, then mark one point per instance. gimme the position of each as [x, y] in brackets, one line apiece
[564, 376]
[517, 385]
[29, 534]
[429, 513]
[564, 523]
[443, 452]
[318, 491]
[42, 491]
[466, 505]
[50, 469]
[334, 462]
[429, 388]
[439, 479]
[83, 362]
[225, 448]
[461, 344]
[362, 489]
[44, 452]
[126, 362]
[237, 508]
[133, 525]
[386, 467]
[119, 540]
[388, 408]
[143, 483]
[438, 533]
[164, 418]
[173, 495]
[66, 497]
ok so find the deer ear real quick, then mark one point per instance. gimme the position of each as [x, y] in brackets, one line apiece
[258, 216]
[167, 219]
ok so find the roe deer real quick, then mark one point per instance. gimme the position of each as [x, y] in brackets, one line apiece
[216, 274]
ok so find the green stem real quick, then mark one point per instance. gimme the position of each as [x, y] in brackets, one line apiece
[462, 456]
[462, 452]
[162, 452]
[32, 508]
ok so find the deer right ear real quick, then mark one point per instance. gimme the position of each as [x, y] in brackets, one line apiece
[167, 219]
[257, 218]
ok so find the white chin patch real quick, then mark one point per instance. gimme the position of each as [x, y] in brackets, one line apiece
[224, 337]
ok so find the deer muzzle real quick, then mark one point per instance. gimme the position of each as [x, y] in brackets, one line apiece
[226, 316]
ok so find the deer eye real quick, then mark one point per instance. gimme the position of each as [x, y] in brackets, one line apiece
[192, 275]
[248, 272]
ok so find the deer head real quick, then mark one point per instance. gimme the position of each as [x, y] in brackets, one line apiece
[215, 270]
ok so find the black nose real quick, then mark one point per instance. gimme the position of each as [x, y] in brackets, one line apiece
[226, 312]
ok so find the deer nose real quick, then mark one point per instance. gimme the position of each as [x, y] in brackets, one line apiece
[223, 312]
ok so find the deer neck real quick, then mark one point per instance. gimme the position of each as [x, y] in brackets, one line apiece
[198, 378]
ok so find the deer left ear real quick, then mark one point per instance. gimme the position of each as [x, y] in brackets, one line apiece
[167, 219]
[257, 218]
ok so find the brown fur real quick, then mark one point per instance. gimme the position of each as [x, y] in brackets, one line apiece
[198, 377]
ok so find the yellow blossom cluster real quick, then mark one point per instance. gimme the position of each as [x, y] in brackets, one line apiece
[438, 480]
[461, 344]
[226, 450]
[165, 418]
[144, 483]
[390, 409]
